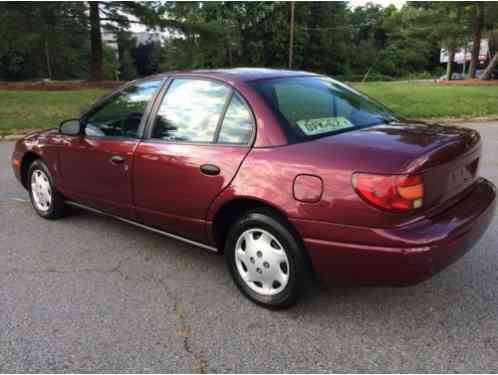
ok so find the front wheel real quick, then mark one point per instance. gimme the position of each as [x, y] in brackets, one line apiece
[266, 260]
[46, 200]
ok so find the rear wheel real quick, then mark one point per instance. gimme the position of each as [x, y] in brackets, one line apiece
[266, 260]
[46, 200]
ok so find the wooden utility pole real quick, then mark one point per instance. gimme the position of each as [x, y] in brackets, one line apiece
[291, 33]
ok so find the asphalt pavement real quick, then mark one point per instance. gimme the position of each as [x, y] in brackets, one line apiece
[88, 293]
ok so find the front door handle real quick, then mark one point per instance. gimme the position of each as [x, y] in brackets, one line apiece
[116, 159]
[210, 169]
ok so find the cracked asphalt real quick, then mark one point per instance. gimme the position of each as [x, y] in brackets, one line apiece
[89, 293]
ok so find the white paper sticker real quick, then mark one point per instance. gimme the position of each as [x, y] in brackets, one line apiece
[322, 125]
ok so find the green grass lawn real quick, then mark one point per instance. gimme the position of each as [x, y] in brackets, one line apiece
[426, 100]
[45, 109]
[41, 109]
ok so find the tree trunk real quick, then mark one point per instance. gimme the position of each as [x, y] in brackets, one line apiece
[96, 71]
[449, 66]
[47, 59]
[291, 33]
[230, 57]
[476, 39]
[489, 69]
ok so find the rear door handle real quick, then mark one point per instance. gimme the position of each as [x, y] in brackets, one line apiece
[116, 159]
[210, 169]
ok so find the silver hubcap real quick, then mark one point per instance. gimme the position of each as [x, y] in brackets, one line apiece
[41, 191]
[262, 262]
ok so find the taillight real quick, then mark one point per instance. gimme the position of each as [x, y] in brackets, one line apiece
[390, 192]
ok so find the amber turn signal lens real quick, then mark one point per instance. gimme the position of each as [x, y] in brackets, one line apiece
[390, 192]
[411, 192]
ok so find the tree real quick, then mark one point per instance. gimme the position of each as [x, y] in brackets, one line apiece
[64, 40]
[127, 70]
[126, 44]
[446, 22]
[96, 70]
[491, 27]
[478, 23]
[118, 16]
[490, 68]
[51, 44]
[323, 33]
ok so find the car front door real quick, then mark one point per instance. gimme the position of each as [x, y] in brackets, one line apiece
[198, 138]
[96, 166]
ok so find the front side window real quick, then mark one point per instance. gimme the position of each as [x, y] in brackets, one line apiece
[191, 110]
[121, 115]
[319, 106]
[238, 123]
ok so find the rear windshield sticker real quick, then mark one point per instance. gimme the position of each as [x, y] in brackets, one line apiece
[322, 125]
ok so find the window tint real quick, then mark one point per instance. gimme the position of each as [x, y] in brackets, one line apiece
[316, 106]
[191, 110]
[237, 124]
[121, 115]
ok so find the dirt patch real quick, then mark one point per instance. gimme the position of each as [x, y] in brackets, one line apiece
[48, 85]
[468, 82]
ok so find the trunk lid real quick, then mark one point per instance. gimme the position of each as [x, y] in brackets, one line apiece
[446, 157]
[448, 161]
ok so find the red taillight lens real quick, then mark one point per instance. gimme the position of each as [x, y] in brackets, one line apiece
[390, 192]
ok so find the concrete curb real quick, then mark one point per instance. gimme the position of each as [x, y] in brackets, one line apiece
[11, 137]
[17, 134]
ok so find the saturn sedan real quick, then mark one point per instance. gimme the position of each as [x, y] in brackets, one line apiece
[292, 176]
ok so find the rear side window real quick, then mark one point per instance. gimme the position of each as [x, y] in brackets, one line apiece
[238, 123]
[191, 110]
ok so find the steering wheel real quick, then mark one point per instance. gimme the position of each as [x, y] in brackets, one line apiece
[130, 124]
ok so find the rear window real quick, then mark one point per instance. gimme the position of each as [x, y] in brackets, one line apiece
[312, 107]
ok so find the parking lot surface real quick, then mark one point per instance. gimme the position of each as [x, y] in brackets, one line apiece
[88, 293]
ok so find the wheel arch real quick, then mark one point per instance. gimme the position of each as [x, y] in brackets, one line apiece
[236, 207]
[229, 211]
[28, 158]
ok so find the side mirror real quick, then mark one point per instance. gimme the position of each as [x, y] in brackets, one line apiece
[70, 127]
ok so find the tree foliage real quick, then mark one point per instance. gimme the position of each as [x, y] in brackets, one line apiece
[59, 40]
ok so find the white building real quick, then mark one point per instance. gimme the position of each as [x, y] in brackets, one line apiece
[464, 54]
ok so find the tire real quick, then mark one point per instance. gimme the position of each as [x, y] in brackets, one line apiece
[46, 200]
[276, 254]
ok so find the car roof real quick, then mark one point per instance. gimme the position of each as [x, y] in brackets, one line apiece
[238, 74]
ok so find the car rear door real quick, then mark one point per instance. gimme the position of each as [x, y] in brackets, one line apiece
[96, 165]
[200, 133]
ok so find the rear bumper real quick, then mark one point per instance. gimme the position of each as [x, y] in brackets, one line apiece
[399, 256]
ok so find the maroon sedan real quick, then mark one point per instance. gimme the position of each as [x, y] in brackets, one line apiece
[291, 175]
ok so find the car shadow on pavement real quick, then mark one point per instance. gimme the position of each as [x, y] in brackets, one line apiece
[458, 288]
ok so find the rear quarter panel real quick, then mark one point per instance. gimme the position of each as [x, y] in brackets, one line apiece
[268, 174]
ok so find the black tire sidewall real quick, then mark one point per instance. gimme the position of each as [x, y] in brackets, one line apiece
[292, 248]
